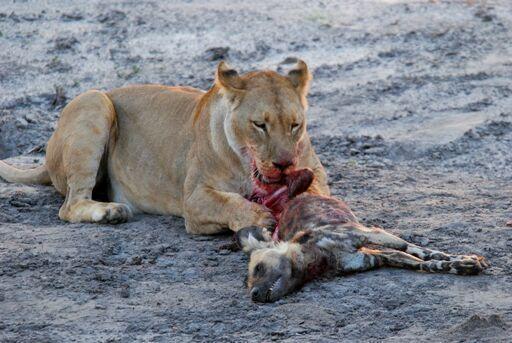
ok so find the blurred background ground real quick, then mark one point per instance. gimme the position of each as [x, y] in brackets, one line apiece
[410, 111]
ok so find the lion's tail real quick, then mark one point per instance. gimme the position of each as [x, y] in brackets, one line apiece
[38, 175]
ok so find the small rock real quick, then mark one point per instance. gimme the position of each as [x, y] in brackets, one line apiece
[375, 150]
[423, 241]
[386, 54]
[38, 149]
[65, 43]
[111, 17]
[103, 277]
[484, 15]
[289, 60]
[59, 98]
[216, 53]
[71, 16]
[136, 260]
[124, 292]
[21, 123]
[354, 152]
[58, 66]
[140, 21]
[376, 165]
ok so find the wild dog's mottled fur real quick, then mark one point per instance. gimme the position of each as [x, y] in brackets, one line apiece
[320, 234]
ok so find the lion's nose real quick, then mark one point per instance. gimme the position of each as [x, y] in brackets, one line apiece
[255, 293]
[283, 164]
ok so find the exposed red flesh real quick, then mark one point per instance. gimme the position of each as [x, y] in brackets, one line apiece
[275, 196]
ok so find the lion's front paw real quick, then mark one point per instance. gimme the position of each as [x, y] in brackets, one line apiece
[265, 219]
[254, 215]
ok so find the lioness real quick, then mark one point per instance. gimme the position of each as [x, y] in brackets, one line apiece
[180, 150]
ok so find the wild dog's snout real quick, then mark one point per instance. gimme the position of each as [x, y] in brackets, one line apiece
[256, 294]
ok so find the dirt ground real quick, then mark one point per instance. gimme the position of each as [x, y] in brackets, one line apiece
[410, 112]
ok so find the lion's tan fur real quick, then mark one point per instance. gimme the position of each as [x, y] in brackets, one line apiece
[179, 150]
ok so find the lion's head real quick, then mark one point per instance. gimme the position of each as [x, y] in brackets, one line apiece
[267, 118]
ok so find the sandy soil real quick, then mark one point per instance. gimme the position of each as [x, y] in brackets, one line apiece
[410, 113]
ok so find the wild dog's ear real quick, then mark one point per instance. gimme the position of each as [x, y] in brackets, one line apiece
[302, 237]
[300, 77]
[254, 237]
[228, 78]
[298, 181]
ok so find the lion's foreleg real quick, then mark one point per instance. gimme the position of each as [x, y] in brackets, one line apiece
[209, 211]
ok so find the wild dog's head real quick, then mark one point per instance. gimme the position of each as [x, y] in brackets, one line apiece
[275, 268]
[266, 121]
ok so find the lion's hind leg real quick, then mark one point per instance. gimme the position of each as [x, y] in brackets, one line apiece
[85, 210]
[74, 156]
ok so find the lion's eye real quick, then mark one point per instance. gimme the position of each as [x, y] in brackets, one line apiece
[260, 125]
[295, 127]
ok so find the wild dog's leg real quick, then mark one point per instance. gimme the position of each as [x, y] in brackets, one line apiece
[379, 236]
[73, 158]
[359, 261]
[400, 259]
[209, 211]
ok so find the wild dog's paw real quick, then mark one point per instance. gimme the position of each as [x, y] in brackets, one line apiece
[470, 265]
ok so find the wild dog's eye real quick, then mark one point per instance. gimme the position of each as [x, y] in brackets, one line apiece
[295, 272]
[260, 125]
[259, 269]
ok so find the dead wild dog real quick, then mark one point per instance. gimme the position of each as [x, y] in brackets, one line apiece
[318, 234]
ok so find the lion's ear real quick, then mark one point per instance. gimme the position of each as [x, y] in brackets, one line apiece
[228, 78]
[300, 77]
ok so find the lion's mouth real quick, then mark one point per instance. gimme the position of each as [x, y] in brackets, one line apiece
[265, 179]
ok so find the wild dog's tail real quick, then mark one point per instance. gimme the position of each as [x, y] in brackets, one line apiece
[38, 175]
